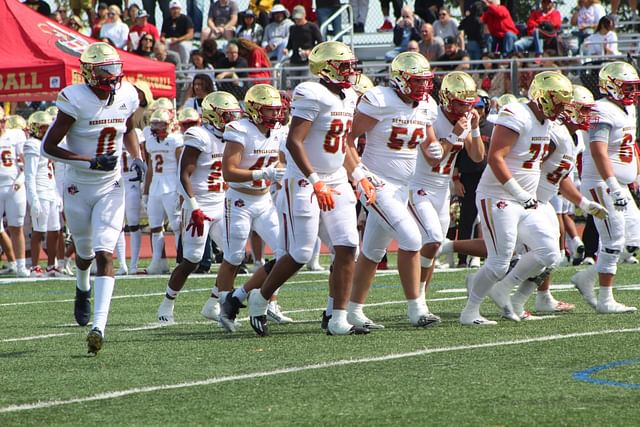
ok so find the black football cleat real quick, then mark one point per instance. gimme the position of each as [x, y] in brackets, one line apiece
[82, 307]
[324, 324]
[229, 309]
[259, 324]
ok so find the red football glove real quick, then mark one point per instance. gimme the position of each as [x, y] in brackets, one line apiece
[196, 224]
[324, 195]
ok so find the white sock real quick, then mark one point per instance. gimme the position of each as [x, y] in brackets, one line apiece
[136, 237]
[258, 305]
[13, 264]
[605, 294]
[329, 311]
[240, 293]
[215, 293]
[82, 279]
[60, 264]
[171, 293]
[121, 250]
[339, 316]
[356, 309]
[157, 243]
[21, 263]
[102, 299]
[415, 308]
[525, 289]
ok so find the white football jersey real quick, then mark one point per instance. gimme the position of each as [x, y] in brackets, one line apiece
[98, 127]
[207, 177]
[260, 150]
[332, 116]
[9, 153]
[526, 154]
[164, 164]
[438, 177]
[559, 164]
[45, 182]
[392, 144]
[621, 144]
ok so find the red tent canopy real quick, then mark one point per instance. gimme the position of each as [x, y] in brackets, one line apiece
[38, 57]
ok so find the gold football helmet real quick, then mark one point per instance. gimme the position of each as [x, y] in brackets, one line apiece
[505, 99]
[188, 117]
[334, 62]
[220, 108]
[38, 123]
[160, 123]
[101, 67]
[619, 81]
[363, 84]
[458, 94]
[411, 75]
[16, 122]
[580, 111]
[52, 111]
[551, 91]
[162, 103]
[144, 87]
[263, 105]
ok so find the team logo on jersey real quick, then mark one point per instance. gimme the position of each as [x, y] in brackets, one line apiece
[303, 183]
[501, 204]
[421, 192]
[239, 203]
[72, 189]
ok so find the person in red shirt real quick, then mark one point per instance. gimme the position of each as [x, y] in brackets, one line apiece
[142, 26]
[543, 26]
[256, 58]
[500, 27]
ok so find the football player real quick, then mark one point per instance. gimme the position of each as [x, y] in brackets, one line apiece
[457, 126]
[203, 187]
[398, 122]
[40, 185]
[95, 116]
[506, 192]
[609, 165]
[316, 188]
[160, 195]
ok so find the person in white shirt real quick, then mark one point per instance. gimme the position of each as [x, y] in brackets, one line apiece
[115, 30]
[604, 41]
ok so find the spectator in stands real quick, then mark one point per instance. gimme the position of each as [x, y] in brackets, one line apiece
[472, 28]
[223, 18]
[428, 9]
[129, 17]
[309, 9]
[150, 7]
[431, 47]
[249, 29]
[88, 6]
[200, 87]
[303, 36]
[229, 80]
[145, 45]
[586, 18]
[493, 83]
[194, 11]
[360, 10]
[262, 10]
[387, 24]
[407, 28]
[633, 6]
[177, 31]
[276, 34]
[76, 24]
[604, 41]
[114, 29]
[256, 58]
[40, 6]
[162, 54]
[500, 28]
[543, 26]
[62, 13]
[197, 62]
[452, 52]
[413, 46]
[99, 20]
[326, 8]
[211, 54]
[446, 26]
[141, 27]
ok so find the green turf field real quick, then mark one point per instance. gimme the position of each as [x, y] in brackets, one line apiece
[192, 373]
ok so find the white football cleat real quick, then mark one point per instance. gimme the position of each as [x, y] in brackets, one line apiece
[474, 262]
[614, 307]
[122, 271]
[54, 272]
[23, 272]
[274, 314]
[165, 312]
[8, 270]
[344, 328]
[211, 309]
[546, 303]
[314, 265]
[469, 319]
[36, 272]
[584, 282]
[362, 321]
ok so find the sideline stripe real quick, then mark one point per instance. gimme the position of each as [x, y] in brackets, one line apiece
[36, 337]
[254, 375]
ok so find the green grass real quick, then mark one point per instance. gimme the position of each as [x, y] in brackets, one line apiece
[470, 380]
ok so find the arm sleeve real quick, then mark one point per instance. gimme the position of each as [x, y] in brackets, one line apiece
[371, 105]
[600, 132]
[305, 104]
[510, 118]
[235, 132]
[194, 138]
[66, 104]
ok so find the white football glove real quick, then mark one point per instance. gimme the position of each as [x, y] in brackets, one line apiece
[273, 173]
[618, 195]
[36, 208]
[593, 208]
[435, 150]
[144, 201]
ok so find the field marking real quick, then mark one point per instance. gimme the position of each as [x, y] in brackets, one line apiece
[36, 337]
[250, 376]
[560, 287]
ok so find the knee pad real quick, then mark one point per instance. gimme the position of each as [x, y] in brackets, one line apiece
[374, 255]
[408, 236]
[496, 269]
[426, 262]
[301, 255]
[608, 261]
[234, 259]
[269, 265]
[548, 259]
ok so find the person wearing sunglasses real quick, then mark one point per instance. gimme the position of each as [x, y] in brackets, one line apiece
[114, 29]
[141, 28]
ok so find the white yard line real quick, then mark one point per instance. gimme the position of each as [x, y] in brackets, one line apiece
[331, 364]
[35, 337]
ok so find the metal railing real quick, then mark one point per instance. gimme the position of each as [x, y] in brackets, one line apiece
[346, 29]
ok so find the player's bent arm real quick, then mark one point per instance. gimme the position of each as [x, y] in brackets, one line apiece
[51, 142]
[502, 140]
[427, 152]
[362, 123]
[188, 163]
[298, 131]
[569, 191]
[231, 158]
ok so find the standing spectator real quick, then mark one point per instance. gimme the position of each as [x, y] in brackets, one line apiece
[115, 30]
[200, 87]
[145, 45]
[40, 6]
[276, 34]
[309, 9]
[586, 18]
[604, 41]
[211, 54]
[256, 58]
[473, 28]
[500, 28]
[446, 26]
[232, 60]
[407, 28]
[223, 17]
[150, 7]
[129, 17]
[160, 53]
[542, 29]
[249, 29]
[303, 36]
[141, 27]
[428, 9]
[194, 11]
[387, 25]
[262, 10]
[99, 20]
[431, 47]
[360, 11]
[326, 8]
[452, 52]
[177, 31]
